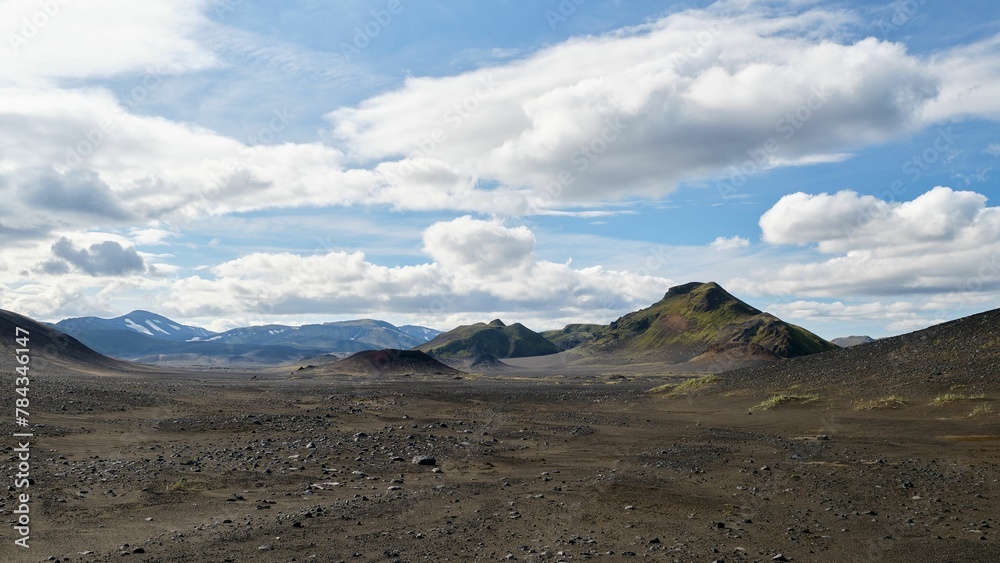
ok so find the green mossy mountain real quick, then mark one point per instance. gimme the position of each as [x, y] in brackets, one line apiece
[494, 338]
[573, 335]
[702, 321]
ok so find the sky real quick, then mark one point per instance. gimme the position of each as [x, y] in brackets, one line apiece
[236, 162]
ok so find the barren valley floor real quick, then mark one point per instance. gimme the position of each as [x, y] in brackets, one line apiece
[528, 466]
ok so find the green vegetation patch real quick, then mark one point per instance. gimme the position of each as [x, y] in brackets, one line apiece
[890, 402]
[183, 485]
[981, 410]
[947, 398]
[688, 386]
[776, 400]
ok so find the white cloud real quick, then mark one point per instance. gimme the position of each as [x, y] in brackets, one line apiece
[651, 106]
[151, 236]
[478, 267]
[846, 221]
[59, 40]
[969, 79]
[993, 149]
[483, 247]
[943, 241]
[723, 244]
[899, 316]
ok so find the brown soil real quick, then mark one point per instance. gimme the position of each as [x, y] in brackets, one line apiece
[560, 463]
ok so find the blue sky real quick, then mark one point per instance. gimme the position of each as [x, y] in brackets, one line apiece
[235, 162]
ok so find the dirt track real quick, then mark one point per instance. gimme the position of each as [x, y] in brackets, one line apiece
[225, 468]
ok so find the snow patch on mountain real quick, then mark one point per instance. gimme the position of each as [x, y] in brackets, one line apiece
[137, 327]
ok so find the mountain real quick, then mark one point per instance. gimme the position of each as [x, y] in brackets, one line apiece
[387, 362]
[494, 338]
[959, 356]
[341, 336]
[702, 322]
[49, 347]
[421, 332]
[138, 322]
[848, 341]
[146, 337]
[573, 335]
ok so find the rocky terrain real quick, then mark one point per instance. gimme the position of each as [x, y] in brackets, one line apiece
[791, 461]
[542, 469]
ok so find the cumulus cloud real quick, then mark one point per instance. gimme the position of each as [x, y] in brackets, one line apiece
[846, 221]
[57, 40]
[477, 266]
[486, 247]
[942, 241]
[75, 191]
[107, 258]
[898, 316]
[698, 94]
[732, 243]
[685, 96]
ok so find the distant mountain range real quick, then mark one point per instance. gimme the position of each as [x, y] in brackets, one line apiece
[848, 341]
[146, 337]
[697, 323]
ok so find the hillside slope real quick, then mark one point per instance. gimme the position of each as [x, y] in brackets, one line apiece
[573, 335]
[494, 338]
[961, 354]
[702, 322]
[49, 348]
[387, 362]
[136, 322]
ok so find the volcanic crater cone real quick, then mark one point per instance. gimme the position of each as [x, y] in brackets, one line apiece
[390, 362]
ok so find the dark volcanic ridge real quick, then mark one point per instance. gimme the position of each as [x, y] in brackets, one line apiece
[959, 355]
[388, 362]
[480, 363]
[49, 346]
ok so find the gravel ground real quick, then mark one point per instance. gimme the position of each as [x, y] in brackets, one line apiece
[171, 467]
